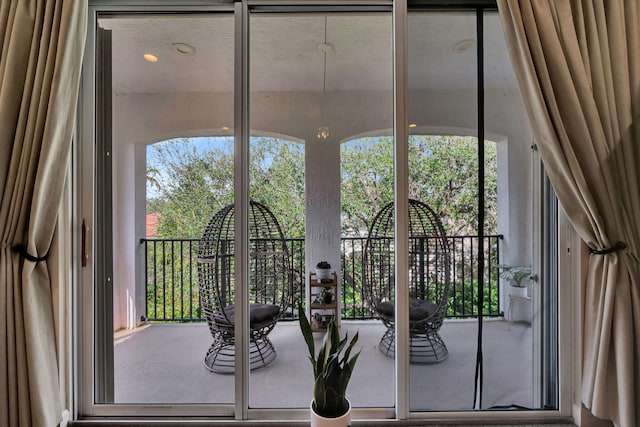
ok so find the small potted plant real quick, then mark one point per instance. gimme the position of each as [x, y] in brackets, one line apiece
[323, 271]
[332, 370]
[516, 274]
[326, 295]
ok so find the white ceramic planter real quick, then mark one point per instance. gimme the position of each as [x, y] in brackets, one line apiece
[323, 273]
[318, 421]
[518, 292]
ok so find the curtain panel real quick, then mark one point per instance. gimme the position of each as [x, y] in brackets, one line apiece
[578, 68]
[42, 44]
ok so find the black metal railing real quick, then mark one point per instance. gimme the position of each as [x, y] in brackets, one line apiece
[172, 286]
[170, 274]
[463, 294]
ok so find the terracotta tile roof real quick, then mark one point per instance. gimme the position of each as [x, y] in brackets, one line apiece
[152, 224]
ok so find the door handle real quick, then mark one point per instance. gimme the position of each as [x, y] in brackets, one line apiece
[84, 254]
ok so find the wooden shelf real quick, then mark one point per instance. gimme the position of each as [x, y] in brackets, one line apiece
[321, 313]
[317, 306]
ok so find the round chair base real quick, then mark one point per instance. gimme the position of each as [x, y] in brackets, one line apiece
[424, 348]
[221, 355]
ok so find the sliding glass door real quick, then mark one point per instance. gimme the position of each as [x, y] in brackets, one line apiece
[321, 87]
[443, 175]
[167, 158]
[237, 146]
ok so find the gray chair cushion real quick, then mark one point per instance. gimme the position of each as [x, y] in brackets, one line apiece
[258, 313]
[418, 309]
[263, 312]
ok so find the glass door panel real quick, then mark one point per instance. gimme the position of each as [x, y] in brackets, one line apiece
[321, 184]
[443, 192]
[511, 380]
[172, 150]
[473, 174]
[319, 81]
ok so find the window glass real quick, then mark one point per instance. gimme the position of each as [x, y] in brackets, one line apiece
[172, 148]
[318, 80]
[321, 184]
[512, 352]
[482, 355]
[443, 184]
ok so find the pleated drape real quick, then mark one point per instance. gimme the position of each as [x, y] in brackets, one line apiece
[42, 44]
[578, 67]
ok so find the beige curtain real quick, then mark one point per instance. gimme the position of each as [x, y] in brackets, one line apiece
[578, 67]
[42, 43]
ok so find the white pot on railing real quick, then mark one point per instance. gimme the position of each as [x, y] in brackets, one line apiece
[320, 421]
[518, 291]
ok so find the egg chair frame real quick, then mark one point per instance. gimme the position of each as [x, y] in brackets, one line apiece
[270, 287]
[429, 280]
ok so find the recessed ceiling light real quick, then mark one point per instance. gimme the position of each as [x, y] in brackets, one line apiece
[151, 58]
[412, 125]
[464, 45]
[225, 128]
[184, 48]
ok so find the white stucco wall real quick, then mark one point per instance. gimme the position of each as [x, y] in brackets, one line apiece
[124, 246]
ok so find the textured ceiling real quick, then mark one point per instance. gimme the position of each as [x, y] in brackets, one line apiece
[285, 54]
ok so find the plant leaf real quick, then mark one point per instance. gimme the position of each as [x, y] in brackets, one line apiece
[307, 333]
[347, 352]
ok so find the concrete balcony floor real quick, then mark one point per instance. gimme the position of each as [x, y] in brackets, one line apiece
[163, 363]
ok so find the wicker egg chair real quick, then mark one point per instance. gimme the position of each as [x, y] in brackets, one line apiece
[429, 280]
[270, 288]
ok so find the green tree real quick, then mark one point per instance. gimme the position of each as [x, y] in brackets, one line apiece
[195, 182]
[366, 166]
[443, 172]
[277, 180]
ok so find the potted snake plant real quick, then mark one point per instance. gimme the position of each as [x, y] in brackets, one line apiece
[332, 369]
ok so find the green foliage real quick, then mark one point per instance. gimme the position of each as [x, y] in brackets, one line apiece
[443, 173]
[171, 267]
[367, 181]
[197, 180]
[190, 182]
[517, 273]
[154, 205]
[191, 179]
[277, 180]
[463, 298]
[331, 372]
